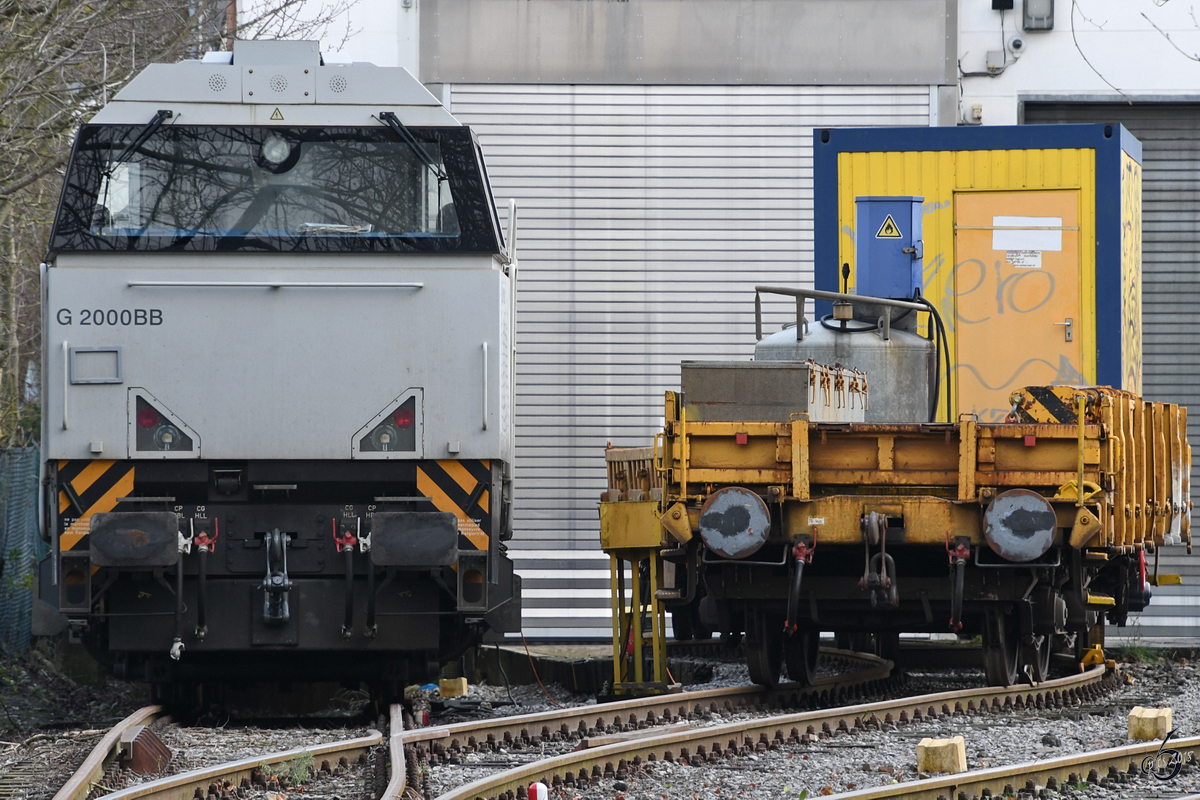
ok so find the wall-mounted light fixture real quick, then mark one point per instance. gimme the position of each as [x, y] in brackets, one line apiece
[1039, 15]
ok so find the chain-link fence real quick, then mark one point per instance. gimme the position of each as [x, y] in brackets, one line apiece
[22, 546]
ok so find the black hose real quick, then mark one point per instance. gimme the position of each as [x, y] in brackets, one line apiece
[937, 372]
[177, 645]
[371, 598]
[348, 625]
[956, 601]
[945, 351]
[500, 662]
[793, 606]
[839, 328]
[202, 595]
[179, 599]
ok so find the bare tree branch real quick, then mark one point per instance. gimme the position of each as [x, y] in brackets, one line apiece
[1171, 41]
[1086, 60]
[60, 61]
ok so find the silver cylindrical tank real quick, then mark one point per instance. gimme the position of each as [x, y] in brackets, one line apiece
[900, 369]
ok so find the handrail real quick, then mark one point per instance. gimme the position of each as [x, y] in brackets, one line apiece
[485, 386]
[817, 294]
[281, 284]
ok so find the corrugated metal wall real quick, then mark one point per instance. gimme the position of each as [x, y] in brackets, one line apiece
[1170, 136]
[647, 215]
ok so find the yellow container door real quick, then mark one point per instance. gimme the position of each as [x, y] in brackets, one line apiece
[1016, 288]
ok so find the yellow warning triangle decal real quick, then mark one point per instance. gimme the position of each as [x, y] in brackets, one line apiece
[888, 230]
[279, 117]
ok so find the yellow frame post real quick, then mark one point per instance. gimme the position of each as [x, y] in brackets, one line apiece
[616, 593]
[635, 616]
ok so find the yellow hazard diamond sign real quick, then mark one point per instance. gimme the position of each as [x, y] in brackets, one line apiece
[889, 229]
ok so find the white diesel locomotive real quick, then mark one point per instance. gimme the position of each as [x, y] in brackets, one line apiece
[278, 377]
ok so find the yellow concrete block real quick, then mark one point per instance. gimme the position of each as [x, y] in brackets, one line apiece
[452, 687]
[1147, 724]
[942, 755]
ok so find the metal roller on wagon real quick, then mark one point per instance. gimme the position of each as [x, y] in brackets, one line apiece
[278, 378]
[855, 476]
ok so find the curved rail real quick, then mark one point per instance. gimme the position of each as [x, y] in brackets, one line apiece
[1111, 763]
[79, 784]
[399, 780]
[567, 721]
[756, 734]
[184, 785]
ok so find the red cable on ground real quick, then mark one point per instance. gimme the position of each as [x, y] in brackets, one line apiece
[535, 673]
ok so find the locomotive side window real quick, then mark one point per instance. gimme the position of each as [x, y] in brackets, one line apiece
[275, 189]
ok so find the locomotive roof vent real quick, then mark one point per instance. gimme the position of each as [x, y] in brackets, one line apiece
[276, 53]
[274, 73]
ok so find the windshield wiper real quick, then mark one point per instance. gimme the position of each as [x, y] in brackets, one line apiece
[321, 228]
[153, 125]
[392, 121]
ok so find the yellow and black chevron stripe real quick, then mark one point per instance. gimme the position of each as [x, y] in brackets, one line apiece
[86, 488]
[462, 488]
[1049, 405]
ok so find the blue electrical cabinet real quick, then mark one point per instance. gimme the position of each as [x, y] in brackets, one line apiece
[888, 246]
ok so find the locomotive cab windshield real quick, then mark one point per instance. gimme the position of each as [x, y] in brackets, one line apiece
[272, 188]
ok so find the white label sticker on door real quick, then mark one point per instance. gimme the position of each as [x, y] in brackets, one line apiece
[1024, 259]
[816, 520]
[1027, 233]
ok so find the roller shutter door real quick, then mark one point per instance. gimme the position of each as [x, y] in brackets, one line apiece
[647, 215]
[1170, 137]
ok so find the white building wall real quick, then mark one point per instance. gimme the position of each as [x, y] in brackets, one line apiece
[1118, 37]
[382, 32]
[647, 216]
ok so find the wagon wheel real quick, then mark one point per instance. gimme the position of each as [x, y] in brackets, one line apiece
[1092, 634]
[1036, 656]
[887, 645]
[801, 652]
[764, 648]
[681, 624]
[1000, 647]
[858, 642]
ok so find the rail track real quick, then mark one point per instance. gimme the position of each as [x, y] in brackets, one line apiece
[406, 747]
[699, 745]
[615, 739]
[1110, 768]
[221, 780]
[578, 722]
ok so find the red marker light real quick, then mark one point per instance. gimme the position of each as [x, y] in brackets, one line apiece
[404, 418]
[147, 417]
